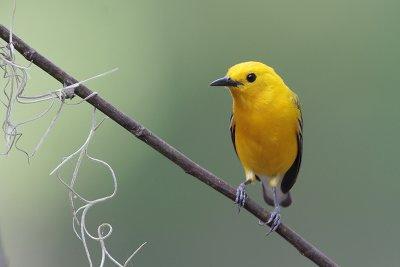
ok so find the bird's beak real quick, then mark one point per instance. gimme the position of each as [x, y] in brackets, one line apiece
[225, 81]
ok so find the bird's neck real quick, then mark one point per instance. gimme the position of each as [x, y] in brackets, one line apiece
[253, 102]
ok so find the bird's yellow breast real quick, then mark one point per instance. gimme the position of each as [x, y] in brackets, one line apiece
[265, 131]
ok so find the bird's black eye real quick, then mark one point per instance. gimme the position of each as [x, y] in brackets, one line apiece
[251, 77]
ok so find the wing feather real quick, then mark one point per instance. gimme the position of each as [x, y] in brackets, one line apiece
[291, 175]
[232, 130]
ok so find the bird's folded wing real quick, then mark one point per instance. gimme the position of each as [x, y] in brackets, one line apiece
[291, 175]
[232, 130]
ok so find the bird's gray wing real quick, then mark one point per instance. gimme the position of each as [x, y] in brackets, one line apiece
[232, 130]
[291, 175]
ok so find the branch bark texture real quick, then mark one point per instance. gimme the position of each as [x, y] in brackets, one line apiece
[303, 246]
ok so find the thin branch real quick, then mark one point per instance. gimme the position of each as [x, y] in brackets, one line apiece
[303, 246]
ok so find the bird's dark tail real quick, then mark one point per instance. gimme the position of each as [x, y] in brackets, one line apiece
[284, 199]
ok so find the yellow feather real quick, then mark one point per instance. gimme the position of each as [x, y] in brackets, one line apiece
[266, 117]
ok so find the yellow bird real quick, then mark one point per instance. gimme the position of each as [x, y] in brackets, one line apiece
[266, 131]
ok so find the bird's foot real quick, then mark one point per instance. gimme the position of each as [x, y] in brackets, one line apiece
[274, 219]
[240, 196]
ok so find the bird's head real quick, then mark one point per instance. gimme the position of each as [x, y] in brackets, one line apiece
[249, 79]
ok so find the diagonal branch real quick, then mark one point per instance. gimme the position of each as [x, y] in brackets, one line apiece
[303, 246]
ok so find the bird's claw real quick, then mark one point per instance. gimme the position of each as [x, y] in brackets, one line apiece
[240, 196]
[274, 220]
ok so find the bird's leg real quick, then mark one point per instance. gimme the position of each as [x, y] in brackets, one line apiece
[241, 194]
[274, 216]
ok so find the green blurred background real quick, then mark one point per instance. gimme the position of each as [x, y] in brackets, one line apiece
[341, 57]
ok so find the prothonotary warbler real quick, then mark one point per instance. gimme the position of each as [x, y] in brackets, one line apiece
[266, 130]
